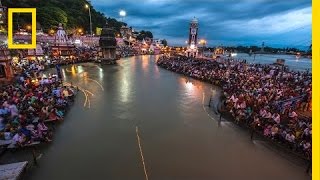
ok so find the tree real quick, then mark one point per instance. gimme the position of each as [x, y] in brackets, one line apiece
[144, 34]
[71, 13]
[164, 42]
[149, 34]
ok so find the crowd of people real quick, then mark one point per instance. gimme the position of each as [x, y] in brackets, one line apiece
[28, 103]
[125, 51]
[266, 98]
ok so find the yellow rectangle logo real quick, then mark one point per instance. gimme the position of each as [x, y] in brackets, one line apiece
[33, 44]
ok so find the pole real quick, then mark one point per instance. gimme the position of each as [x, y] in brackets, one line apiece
[203, 50]
[90, 21]
[90, 39]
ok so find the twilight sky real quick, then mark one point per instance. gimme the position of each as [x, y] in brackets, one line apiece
[278, 23]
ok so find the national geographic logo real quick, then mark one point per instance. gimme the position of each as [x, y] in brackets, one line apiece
[33, 44]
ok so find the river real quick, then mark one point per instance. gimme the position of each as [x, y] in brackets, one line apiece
[293, 62]
[143, 122]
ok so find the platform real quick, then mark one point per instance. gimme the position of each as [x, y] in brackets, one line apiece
[12, 171]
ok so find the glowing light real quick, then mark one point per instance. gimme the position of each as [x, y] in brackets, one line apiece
[122, 13]
[73, 70]
[189, 85]
[234, 54]
[192, 46]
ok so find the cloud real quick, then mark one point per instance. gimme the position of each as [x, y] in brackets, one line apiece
[228, 21]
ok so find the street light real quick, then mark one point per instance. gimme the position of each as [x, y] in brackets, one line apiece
[203, 43]
[122, 13]
[28, 27]
[87, 6]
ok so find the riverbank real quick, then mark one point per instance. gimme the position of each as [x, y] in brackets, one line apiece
[29, 109]
[242, 109]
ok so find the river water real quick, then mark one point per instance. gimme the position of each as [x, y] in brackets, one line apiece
[293, 62]
[138, 109]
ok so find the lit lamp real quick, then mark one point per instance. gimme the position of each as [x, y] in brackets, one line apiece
[122, 13]
[203, 43]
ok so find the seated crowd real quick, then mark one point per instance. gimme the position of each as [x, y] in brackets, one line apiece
[26, 105]
[267, 98]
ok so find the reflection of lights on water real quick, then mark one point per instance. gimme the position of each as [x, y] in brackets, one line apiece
[80, 69]
[125, 83]
[73, 71]
[124, 90]
[85, 74]
[63, 73]
[145, 63]
[189, 85]
[101, 74]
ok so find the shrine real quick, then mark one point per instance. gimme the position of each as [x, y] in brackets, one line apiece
[62, 47]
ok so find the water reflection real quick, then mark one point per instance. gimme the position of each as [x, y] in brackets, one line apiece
[145, 63]
[73, 71]
[125, 82]
[189, 86]
[101, 74]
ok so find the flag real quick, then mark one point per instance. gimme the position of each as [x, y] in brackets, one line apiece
[98, 31]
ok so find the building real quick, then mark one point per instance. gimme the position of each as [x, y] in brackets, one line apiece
[36, 54]
[3, 18]
[192, 49]
[62, 47]
[127, 35]
[6, 71]
[108, 45]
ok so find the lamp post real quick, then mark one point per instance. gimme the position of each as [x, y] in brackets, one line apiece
[122, 13]
[203, 43]
[87, 6]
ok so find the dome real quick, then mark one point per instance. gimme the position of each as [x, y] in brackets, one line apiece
[194, 20]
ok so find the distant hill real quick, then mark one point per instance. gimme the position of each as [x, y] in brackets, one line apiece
[71, 13]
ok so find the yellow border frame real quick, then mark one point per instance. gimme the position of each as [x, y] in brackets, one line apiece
[315, 90]
[33, 44]
[315, 72]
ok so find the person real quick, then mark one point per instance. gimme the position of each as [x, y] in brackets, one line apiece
[19, 138]
[58, 71]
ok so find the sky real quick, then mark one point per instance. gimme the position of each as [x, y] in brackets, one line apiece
[277, 23]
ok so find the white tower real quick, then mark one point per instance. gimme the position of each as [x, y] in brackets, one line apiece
[193, 33]
[192, 50]
[61, 37]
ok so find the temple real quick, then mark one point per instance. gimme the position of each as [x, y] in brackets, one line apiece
[62, 47]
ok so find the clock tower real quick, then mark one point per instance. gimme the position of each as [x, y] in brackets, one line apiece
[193, 33]
[192, 50]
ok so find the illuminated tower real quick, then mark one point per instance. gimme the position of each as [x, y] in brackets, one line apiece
[192, 50]
[193, 33]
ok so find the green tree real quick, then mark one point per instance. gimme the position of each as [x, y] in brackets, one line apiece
[164, 42]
